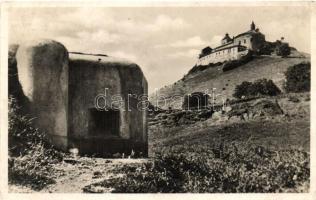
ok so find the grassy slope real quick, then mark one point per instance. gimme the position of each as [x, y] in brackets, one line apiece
[263, 67]
[278, 132]
[270, 134]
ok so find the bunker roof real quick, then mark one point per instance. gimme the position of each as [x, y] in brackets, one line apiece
[99, 58]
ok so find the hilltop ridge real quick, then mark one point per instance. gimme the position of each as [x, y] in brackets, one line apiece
[269, 67]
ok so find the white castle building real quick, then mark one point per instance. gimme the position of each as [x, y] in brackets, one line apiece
[233, 48]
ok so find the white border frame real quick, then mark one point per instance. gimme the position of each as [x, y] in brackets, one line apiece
[134, 3]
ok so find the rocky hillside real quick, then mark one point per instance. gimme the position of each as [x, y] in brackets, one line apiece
[269, 67]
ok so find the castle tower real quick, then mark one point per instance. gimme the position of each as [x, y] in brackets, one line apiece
[226, 39]
[252, 26]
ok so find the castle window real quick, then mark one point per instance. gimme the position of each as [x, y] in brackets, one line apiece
[245, 41]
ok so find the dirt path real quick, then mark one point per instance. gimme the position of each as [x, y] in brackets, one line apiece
[74, 174]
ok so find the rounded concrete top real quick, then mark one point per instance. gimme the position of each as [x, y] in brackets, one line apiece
[98, 58]
[42, 42]
[103, 59]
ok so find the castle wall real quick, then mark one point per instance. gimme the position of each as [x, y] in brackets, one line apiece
[43, 75]
[251, 41]
[221, 56]
[245, 40]
[258, 41]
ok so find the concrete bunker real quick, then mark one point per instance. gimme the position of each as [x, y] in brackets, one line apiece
[62, 89]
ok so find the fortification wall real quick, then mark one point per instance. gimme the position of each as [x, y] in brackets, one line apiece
[43, 75]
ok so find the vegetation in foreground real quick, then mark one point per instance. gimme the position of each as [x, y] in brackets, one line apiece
[259, 87]
[230, 168]
[298, 78]
[188, 163]
[30, 156]
[264, 155]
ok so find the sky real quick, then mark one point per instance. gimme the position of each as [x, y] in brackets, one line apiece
[163, 41]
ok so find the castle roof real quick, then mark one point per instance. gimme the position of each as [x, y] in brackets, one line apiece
[250, 32]
[223, 45]
[207, 48]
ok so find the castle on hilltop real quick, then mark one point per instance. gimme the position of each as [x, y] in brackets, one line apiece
[233, 48]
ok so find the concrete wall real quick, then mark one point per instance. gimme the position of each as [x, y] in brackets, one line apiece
[43, 73]
[15, 88]
[88, 77]
[60, 91]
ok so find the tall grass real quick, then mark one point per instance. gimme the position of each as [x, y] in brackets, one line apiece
[228, 168]
[30, 157]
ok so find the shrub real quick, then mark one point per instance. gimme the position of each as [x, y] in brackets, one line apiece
[266, 49]
[199, 68]
[265, 87]
[298, 78]
[259, 87]
[282, 49]
[236, 63]
[244, 89]
[293, 99]
[238, 168]
[29, 155]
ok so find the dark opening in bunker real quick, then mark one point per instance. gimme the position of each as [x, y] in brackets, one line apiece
[104, 122]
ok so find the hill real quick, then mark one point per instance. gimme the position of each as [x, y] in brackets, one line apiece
[269, 67]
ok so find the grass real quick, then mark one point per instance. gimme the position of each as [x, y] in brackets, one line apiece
[263, 67]
[268, 155]
[30, 156]
[270, 134]
[256, 156]
[235, 169]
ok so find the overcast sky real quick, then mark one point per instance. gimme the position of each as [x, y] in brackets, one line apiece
[165, 42]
